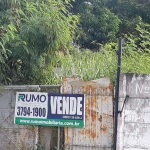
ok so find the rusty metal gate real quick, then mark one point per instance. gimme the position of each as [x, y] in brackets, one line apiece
[98, 131]
[134, 121]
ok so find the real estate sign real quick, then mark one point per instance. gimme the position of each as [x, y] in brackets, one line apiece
[47, 109]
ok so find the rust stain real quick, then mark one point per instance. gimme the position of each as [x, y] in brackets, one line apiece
[68, 140]
[90, 105]
[104, 99]
[111, 89]
[96, 92]
[100, 118]
[107, 115]
[66, 133]
[88, 89]
[91, 113]
[110, 115]
[83, 90]
[89, 133]
[64, 79]
[67, 137]
[91, 102]
[104, 128]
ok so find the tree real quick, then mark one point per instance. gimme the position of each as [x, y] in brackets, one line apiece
[32, 31]
[104, 20]
[129, 12]
[139, 40]
[97, 23]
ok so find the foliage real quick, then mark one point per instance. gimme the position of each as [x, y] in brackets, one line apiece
[31, 32]
[140, 39]
[34, 32]
[98, 23]
[129, 12]
[103, 21]
[86, 64]
[93, 65]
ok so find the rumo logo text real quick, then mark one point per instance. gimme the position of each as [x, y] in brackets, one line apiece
[32, 98]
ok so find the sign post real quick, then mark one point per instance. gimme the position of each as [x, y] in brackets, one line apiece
[47, 109]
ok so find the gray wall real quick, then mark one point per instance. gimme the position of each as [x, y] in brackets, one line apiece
[134, 123]
[14, 137]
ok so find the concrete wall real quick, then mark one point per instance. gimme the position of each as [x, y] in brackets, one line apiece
[134, 123]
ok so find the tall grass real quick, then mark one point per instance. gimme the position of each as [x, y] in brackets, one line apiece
[93, 65]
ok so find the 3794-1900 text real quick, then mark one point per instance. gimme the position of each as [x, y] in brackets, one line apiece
[27, 111]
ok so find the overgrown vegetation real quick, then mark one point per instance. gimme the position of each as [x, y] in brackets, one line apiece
[42, 41]
[95, 65]
[31, 31]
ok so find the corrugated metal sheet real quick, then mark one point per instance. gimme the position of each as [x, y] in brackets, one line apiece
[98, 131]
[134, 124]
